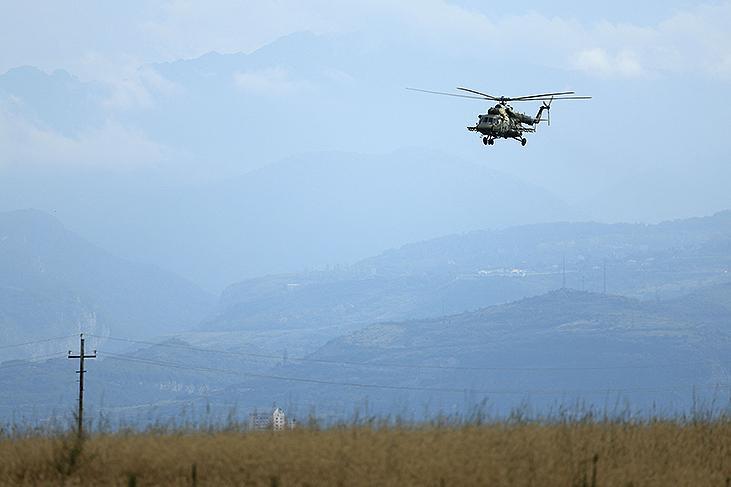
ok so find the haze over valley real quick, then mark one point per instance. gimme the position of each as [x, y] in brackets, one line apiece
[497, 315]
[262, 214]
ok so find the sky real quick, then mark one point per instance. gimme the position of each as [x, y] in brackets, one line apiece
[126, 135]
[623, 38]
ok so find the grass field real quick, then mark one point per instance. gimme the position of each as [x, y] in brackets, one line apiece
[654, 453]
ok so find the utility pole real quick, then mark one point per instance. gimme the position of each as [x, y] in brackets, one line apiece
[81, 356]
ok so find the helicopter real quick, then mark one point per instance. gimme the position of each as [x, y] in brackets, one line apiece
[502, 121]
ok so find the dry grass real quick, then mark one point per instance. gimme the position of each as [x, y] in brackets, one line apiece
[561, 454]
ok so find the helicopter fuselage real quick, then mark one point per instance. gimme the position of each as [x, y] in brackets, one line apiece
[502, 122]
[496, 126]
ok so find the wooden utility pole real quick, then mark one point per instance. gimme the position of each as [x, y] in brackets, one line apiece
[81, 356]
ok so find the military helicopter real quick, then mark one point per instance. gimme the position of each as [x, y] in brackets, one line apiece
[501, 121]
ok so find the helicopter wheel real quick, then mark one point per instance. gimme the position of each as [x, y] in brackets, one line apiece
[484, 140]
[491, 141]
[523, 141]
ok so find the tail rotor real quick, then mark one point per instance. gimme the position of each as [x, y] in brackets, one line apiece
[547, 107]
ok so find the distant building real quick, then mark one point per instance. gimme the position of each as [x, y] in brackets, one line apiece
[279, 419]
[260, 421]
[276, 420]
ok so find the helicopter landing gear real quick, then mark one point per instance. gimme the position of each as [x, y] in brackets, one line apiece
[488, 141]
[491, 141]
[523, 142]
[484, 140]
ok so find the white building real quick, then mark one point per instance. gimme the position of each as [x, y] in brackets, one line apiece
[279, 419]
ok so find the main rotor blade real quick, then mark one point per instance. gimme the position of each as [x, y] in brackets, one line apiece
[448, 94]
[543, 95]
[557, 98]
[489, 97]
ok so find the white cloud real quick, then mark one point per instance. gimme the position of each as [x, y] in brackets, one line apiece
[695, 40]
[138, 89]
[111, 145]
[598, 62]
[131, 83]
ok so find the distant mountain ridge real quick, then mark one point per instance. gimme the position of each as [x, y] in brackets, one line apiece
[305, 211]
[523, 242]
[562, 349]
[545, 351]
[462, 272]
[53, 282]
[339, 207]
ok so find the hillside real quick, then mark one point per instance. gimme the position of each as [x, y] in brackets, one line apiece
[468, 271]
[53, 282]
[339, 207]
[549, 350]
[555, 348]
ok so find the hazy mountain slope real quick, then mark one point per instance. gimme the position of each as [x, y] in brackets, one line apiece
[607, 351]
[547, 243]
[339, 207]
[57, 100]
[54, 282]
[555, 347]
[463, 272]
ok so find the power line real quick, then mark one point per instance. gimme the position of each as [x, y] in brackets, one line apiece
[392, 387]
[35, 342]
[400, 365]
[30, 361]
[159, 363]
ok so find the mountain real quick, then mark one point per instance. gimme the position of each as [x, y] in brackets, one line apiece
[469, 271]
[333, 208]
[53, 282]
[303, 212]
[56, 100]
[549, 350]
[256, 189]
[561, 350]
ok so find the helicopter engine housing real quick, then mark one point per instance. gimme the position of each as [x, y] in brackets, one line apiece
[523, 118]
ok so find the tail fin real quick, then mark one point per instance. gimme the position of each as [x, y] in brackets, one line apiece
[547, 107]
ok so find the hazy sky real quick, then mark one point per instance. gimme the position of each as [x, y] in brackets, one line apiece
[645, 57]
[621, 38]
[115, 145]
